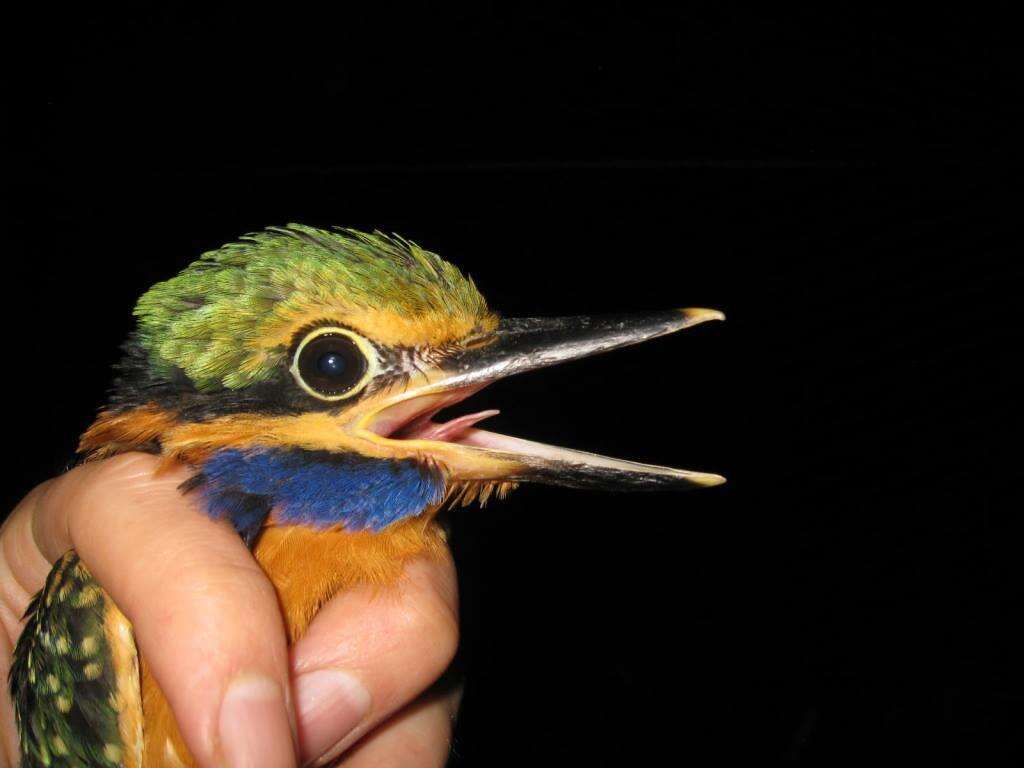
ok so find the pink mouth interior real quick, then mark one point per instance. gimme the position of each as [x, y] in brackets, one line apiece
[413, 419]
[425, 428]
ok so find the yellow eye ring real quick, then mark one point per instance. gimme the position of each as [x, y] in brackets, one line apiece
[333, 363]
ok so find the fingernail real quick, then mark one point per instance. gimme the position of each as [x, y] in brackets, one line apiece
[254, 728]
[329, 705]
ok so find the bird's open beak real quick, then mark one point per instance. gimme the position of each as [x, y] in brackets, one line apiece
[405, 422]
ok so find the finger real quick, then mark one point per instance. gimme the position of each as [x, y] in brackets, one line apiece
[369, 652]
[419, 736]
[23, 569]
[8, 734]
[205, 616]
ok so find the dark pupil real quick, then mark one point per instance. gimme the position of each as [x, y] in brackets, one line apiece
[331, 364]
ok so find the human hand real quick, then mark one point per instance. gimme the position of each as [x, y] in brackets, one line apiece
[206, 620]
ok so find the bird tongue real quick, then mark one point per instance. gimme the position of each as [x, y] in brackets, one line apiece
[425, 428]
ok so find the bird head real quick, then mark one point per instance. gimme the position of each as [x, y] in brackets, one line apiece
[303, 370]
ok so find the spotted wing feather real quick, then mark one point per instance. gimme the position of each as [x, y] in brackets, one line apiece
[63, 679]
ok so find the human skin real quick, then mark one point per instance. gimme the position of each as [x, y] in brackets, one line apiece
[206, 619]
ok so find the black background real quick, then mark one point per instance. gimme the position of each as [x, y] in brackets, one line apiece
[844, 186]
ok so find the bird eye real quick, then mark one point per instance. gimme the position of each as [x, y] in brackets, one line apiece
[332, 363]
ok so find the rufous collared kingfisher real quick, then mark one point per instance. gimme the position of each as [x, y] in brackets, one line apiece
[299, 372]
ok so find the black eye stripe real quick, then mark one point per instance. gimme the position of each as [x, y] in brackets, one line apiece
[331, 364]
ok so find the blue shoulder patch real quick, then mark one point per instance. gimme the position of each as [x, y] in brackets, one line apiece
[316, 488]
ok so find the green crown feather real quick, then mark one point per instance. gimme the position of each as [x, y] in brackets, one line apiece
[207, 320]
